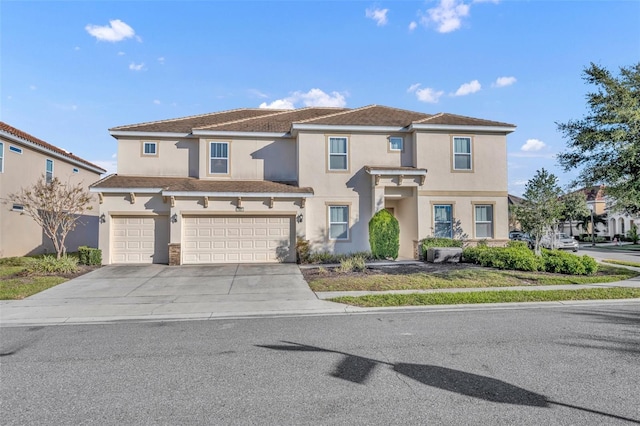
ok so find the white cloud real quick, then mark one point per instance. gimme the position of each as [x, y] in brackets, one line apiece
[157, 101]
[378, 15]
[76, 48]
[136, 67]
[504, 81]
[256, 93]
[447, 16]
[115, 31]
[121, 53]
[413, 88]
[468, 88]
[33, 87]
[429, 95]
[533, 145]
[548, 155]
[521, 182]
[161, 59]
[314, 97]
[413, 25]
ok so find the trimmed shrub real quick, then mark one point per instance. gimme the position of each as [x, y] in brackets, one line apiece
[326, 257]
[384, 235]
[517, 258]
[89, 256]
[48, 264]
[632, 234]
[561, 262]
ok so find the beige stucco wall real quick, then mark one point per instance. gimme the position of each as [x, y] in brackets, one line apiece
[253, 159]
[19, 234]
[175, 157]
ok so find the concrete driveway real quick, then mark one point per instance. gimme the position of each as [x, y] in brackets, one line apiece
[156, 292]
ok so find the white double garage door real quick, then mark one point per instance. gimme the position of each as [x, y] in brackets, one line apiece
[206, 239]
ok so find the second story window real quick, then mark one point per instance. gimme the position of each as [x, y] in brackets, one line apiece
[462, 153]
[15, 149]
[338, 157]
[219, 158]
[150, 148]
[49, 171]
[396, 144]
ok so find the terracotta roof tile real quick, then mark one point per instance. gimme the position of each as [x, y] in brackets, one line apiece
[180, 184]
[279, 122]
[372, 115]
[186, 124]
[460, 120]
[29, 138]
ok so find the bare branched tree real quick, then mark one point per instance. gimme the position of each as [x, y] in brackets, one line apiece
[57, 207]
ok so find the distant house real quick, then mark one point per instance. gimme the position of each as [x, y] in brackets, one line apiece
[596, 200]
[23, 160]
[242, 185]
[513, 200]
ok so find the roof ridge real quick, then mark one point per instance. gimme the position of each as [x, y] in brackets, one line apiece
[21, 134]
[278, 112]
[422, 120]
[169, 120]
[448, 114]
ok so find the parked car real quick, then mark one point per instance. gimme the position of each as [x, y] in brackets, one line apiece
[560, 241]
[521, 236]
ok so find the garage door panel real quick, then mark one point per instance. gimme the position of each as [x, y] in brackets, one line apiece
[140, 239]
[237, 239]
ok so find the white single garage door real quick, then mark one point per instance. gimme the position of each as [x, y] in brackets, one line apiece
[140, 239]
[238, 239]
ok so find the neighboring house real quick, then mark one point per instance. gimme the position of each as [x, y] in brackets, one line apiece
[595, 200]
[619, 222]
[512, 201]
[23, 160]
[241, 185]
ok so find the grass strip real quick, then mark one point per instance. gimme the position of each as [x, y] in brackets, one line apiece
[19, 288]
[468, 278]
[622, 262]
[506, 296]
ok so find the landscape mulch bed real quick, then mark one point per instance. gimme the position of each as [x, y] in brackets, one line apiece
[373, 269]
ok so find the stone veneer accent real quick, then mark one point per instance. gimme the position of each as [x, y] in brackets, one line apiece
[174, 254]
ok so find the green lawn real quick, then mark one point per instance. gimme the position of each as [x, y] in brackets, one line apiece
[505, 296]
[622, 262]
[466, 278]
[14, 286]
[630, 247]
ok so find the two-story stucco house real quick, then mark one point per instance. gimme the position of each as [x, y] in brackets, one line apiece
[23, 160]
[241, 185]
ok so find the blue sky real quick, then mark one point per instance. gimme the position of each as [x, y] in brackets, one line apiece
[71, 70]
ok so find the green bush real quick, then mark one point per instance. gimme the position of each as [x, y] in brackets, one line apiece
[472, 254]
[354, 263]
[303, 250]
[514, 257]
[384, 235]
[632, 234]
[324, 257]
[561, 262]
[48, 264]
[89, 256]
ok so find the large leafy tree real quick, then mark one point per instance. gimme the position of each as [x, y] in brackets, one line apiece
[605, 144]
[56, 206]
[541, 208]
[575, 207]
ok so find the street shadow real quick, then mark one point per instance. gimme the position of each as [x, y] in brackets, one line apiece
[358, 369]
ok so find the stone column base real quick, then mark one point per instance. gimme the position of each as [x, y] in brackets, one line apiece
[174, 254]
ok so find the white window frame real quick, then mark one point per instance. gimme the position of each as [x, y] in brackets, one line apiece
[435, 222]
[476, 222]
[155, 148]
[15, 149]
[341, 154]
[48, 179]
[76, 170]
[17, 208]
[391, 148]
[330, 223]
[469, 154]
[211, 157]
[1, 157]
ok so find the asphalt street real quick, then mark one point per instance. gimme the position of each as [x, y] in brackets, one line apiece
[573, 365]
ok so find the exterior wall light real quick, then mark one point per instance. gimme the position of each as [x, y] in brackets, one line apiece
[174, 218]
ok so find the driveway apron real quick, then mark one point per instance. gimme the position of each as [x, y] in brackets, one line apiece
[155, 292]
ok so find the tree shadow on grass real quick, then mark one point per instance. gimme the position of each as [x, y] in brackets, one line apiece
[357, 369]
